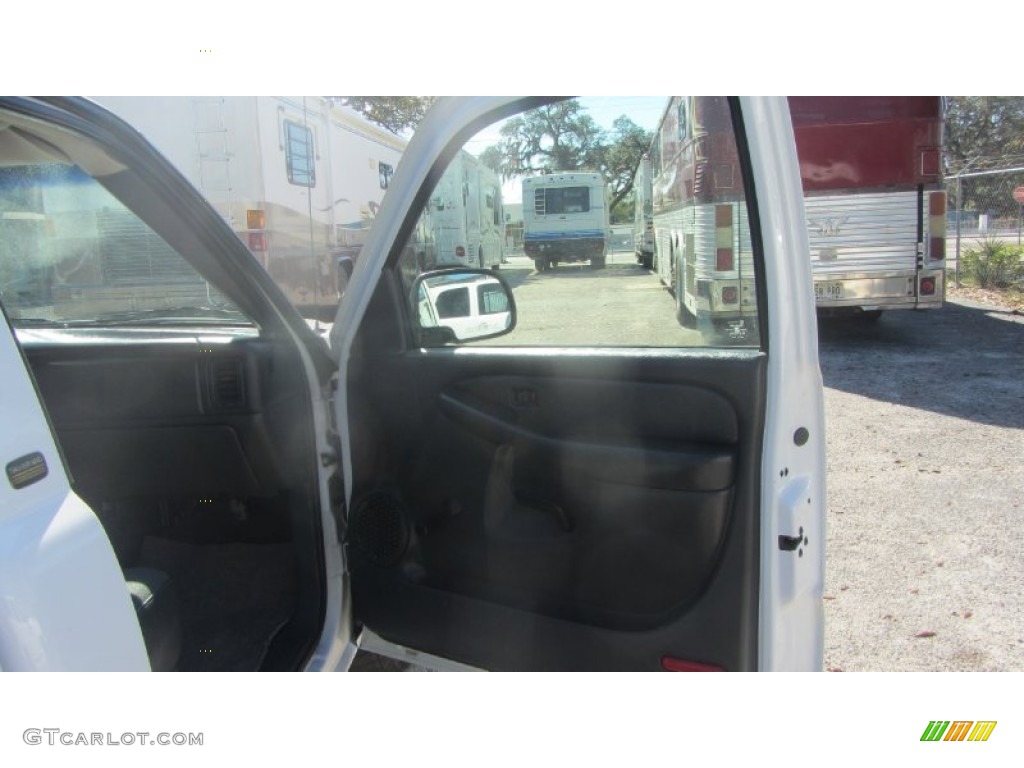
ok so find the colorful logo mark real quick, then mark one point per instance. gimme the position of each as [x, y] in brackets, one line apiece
[958, 730]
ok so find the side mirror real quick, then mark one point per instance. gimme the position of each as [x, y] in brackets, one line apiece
[451, 306]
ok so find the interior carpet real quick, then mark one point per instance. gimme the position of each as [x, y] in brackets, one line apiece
[234, 598]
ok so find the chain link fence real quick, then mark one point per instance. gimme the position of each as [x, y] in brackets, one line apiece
[985, 227]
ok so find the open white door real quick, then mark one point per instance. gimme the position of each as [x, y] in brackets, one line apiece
[66, 605]
[597, 490]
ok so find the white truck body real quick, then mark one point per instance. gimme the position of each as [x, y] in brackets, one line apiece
[565, 218]
[298, 180]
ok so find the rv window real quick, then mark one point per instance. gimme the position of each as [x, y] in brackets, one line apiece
[563, 200]
[386, 172]
[299, 154]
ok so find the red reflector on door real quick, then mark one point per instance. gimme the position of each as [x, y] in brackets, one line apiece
[927, 286]
[678, 665]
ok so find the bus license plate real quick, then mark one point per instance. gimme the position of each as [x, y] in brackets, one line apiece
[828, 290]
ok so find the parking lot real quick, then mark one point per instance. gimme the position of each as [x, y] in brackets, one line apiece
[925, 415]
[573, 304]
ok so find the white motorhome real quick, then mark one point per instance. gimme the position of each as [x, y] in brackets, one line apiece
[565, 219]
[297, 178]
[643, 214]
[466, 215]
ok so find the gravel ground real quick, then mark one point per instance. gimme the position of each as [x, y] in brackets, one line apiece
[925, 558]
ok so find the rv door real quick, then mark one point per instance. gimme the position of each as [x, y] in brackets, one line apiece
[566, 497]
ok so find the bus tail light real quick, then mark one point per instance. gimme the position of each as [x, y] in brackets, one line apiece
[724, 261]
[460, 252]
[937, 226]
[730, 295]
[927, 286]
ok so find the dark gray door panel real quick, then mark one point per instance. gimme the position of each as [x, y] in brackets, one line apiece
[606, 495]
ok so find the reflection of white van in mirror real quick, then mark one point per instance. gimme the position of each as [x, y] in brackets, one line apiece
[473, 305]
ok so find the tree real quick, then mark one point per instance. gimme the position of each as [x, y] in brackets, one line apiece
[555, 137]
[984, 132]
[628, 143]
[399, 114]
[563, 137]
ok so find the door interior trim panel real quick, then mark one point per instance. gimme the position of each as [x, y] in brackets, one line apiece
[608, 499]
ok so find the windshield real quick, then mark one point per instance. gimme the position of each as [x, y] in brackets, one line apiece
[72, 254]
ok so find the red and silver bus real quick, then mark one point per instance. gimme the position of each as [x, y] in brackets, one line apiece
[871, 168]
[873, 193]
[702, 238]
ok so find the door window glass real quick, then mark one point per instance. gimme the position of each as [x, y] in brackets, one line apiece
[574, 283]
[71, 253]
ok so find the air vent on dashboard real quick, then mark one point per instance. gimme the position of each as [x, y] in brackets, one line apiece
[227, 384]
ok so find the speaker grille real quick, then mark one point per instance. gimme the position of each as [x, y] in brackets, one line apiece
[379, 529]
